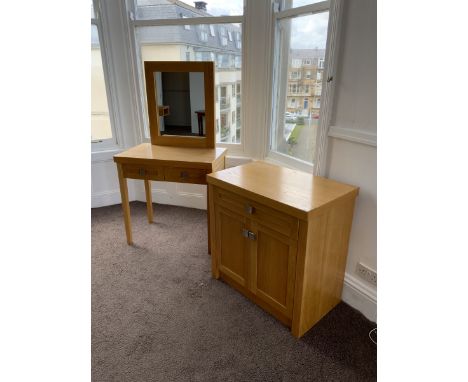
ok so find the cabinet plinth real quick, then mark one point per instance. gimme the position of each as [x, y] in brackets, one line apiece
[280, 237]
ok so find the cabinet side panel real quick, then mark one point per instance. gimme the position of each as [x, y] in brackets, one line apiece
[340, 217]
[308, 274]
[319, 288]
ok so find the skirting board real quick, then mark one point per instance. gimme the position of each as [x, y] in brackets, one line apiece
[105, 198]
[360, 296]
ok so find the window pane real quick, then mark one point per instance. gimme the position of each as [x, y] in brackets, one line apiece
[100, 121]
[175, 43]
[166, 9]
[299, 108]
[92, 10]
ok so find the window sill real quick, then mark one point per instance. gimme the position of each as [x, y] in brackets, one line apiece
[105, 155]
[290, 162]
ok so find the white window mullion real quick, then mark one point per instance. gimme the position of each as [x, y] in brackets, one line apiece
[328, 86]
[304, 10]
[257, 76]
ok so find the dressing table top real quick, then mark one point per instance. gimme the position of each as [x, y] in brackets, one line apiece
[201, 157]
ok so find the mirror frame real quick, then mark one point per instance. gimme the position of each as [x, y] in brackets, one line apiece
[207, 67]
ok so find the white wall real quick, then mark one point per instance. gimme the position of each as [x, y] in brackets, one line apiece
[352, 149]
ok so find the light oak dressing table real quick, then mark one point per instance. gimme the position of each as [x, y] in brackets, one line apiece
[173, 158]
[280, 237]
[164, 163]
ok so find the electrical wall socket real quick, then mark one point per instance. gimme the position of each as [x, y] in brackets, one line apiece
[366, 273]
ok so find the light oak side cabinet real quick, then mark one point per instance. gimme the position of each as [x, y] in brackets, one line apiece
[280, 237]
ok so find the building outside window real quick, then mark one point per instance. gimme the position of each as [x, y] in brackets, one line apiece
[321, 63]
[186, 27]
[296, 63]
[203, 33]
[225, 128]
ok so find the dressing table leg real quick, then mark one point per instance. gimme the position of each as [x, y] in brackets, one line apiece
[125, 204]
[149, 201]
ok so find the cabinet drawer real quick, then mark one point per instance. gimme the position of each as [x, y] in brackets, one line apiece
[274, 219]
[185, 175]
[136, 171]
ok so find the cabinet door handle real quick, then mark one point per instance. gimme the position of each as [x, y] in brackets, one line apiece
[248, 209]
[248, 234]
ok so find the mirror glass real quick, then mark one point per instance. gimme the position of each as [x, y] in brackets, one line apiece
[180, 103]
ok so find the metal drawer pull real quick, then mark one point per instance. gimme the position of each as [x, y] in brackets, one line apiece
[141, 171]
[184, 174]
[248, 234]
[248, 209]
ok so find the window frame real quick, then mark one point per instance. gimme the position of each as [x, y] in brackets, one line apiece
[280, 83]
[235, 148]
[116, 142]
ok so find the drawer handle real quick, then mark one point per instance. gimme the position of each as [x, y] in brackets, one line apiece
[184, 174]
[248, 234]
[141, 171]
[249, 209]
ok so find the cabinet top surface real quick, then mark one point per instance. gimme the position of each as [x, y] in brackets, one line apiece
[147, 151]
[297, 189]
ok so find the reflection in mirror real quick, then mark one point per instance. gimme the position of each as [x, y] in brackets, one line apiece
[180, 98]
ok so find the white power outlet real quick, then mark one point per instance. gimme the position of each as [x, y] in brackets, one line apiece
[366, 273]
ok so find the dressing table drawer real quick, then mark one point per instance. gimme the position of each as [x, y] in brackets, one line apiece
[272, 218]
[185, 175]
[136, 171]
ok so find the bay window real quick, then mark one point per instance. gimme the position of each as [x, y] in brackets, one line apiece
[279, 114]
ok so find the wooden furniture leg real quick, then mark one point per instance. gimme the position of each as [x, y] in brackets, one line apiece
[149, 201]
[125, 204]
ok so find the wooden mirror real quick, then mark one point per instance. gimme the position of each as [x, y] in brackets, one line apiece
[180, 97]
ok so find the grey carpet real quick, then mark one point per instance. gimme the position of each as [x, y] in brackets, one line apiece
[157, 315]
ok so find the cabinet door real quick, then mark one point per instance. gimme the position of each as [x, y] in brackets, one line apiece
[274, 264]
[231, 245]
